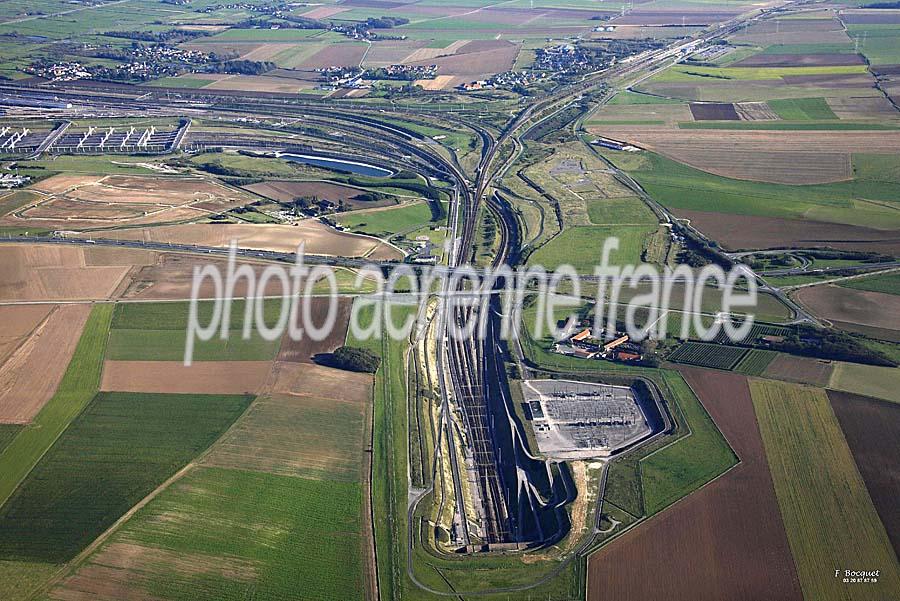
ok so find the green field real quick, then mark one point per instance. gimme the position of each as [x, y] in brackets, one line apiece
[794, 109]
[755, 362]
[75, 391]
[117, 451]
[678, 186]
[385, 223]
[7, 433]
[867, 380]
[716, 356]
[620, 211]
[698, 75]
[629, 97]
[582, 247]
[887, 283]
[828, 516]
[270, 536]
[879, 43]
[169, 345]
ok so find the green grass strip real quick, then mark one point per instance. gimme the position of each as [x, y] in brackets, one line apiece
[77, 388]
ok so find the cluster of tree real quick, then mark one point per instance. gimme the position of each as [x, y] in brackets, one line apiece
[243, 67]
[385, 22]
[286, 22]
[313, 205]
[370, 197]
[697, 252]
[809, 341]
[351, 358]
[172, 35]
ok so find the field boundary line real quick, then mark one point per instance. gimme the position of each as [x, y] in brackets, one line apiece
[73, 564]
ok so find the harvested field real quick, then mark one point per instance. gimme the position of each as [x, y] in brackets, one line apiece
[828, 515]
[850, 306]
[801, 60]
[344, 54]
[259, 83]
[303, 351]
[754, 111]
[791, 157]
[867, 380]
[718, 543]
[441, 82]
[310, 423]
[286, 191]
[754, 232]
[476, 58]
[202, 377]
[17, 322]
[714, 111]
[319, 238]
[862, 107]
[423, 54]
[800, 370]
[323, 12]
[31, 372]
[55, 273]
[872, 430]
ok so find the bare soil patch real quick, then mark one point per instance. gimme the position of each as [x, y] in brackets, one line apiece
[88, 200]
[303, 351]
[740, 232]
[323, 12]
[876, 17]
[31, 373]
[319, 238]
[872, 429]
[714, 111]
[41, 273]
[202, 377]
[721, 542]
[346, 54]
[800, 370]
[850, 306]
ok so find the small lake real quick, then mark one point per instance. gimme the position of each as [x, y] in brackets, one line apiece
[341, 165]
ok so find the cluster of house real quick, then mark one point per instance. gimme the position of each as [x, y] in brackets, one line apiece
[147, 62]
[13, 180]
[507, 79]
[585, 346]
[63, 71]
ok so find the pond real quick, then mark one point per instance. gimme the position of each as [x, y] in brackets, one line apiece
[341, 165]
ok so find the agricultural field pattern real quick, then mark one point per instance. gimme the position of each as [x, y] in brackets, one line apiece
[424, 300]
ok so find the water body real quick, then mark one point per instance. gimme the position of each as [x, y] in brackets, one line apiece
[340, 165]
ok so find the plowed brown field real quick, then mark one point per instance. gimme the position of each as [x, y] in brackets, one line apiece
[872, 429]
[850, 306]
[303, 351]
[202, 377]
[737, 232]
[725, 541]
